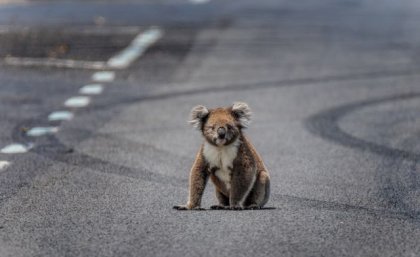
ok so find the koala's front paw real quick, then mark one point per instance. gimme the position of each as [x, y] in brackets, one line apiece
[236, 207]
[219, 207]
[181, 207]
[253, 207]
[186, 207]
[197, 209]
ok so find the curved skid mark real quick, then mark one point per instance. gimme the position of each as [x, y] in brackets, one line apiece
[342, 207]
[325, 125]
[84, 160]
[68, 156]
[52, 148]
[255, 86]
[64, 154]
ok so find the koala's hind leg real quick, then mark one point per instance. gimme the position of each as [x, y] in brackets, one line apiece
[259, 195]
[223, 201]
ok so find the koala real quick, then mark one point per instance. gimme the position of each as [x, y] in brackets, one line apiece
[229, 159]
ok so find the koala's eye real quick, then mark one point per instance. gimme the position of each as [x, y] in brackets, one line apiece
[229, 126]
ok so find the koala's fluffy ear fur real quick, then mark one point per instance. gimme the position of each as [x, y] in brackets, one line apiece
[198, 115]
[242, 113]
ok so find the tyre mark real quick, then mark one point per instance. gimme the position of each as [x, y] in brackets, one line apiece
[343, 207]
[55, 150]
[326, 125]
[256, 86]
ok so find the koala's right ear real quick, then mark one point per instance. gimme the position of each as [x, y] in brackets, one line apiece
[198, 115]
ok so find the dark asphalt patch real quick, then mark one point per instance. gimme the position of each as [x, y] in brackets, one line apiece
[56, 13]
[63, 44]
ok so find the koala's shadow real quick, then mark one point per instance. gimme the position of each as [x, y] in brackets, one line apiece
[246, 209]
[268, 208]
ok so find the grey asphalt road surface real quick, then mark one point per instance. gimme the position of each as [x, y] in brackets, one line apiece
[334, 87]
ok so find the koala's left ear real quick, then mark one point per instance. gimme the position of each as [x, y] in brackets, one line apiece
[198, 115]
[242, 113]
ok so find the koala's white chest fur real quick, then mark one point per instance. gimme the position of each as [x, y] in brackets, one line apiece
[221, 158]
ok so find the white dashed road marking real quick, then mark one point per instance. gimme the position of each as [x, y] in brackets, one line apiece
[92, 89]
[41, 131]
[121, 60]
[199, 1]
[4, 165]
[15, 148]
[57, 63]
[77, 101]
[60, 115]
[103, 76]
[136, 48]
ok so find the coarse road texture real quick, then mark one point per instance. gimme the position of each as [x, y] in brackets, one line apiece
[335, 91]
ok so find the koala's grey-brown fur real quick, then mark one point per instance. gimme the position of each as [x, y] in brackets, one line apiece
[228, 159]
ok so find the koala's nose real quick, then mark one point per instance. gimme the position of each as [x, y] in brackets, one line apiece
[221, 132]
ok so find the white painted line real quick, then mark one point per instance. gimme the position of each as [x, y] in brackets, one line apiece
[4, 165]
[60, 115]
[121, 60]
[77, 101]
[103, 76]
[41, 131]
[15, 148]
[199, 1]
[91, 89]
[58, 63]
[136, 48]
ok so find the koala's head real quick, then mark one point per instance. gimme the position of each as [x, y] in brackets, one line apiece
[221, 126]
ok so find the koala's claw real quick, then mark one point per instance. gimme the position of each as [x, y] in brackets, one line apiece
[180, 207]
[185, 208]
[198, 209]
[236, 208]
[253, 207]
[218, 207]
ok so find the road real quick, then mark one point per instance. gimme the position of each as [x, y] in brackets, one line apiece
[334, 89]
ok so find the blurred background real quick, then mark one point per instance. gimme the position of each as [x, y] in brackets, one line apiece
[95, 148]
